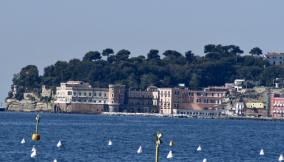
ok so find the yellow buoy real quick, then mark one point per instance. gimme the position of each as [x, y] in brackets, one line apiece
[36, 136]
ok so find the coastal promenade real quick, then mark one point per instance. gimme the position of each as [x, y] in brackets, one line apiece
[191, 117]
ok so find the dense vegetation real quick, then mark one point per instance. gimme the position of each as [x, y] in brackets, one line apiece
[220, 64]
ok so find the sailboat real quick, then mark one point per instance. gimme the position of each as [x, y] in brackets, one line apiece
[109, 142]
[59, 144]
[261, 153]
[204, 160]
[23, 141]
[139, 151]
[281, 158]
[170, 155]
[199, 148]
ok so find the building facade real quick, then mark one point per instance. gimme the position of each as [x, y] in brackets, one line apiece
[274, 58]
[81, 97]
[276, 105]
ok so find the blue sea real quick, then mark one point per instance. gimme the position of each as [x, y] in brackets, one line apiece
[85, 138]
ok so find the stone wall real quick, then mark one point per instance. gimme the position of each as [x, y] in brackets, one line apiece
[28, 106]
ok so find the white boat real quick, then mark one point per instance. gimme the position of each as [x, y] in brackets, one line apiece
[281, 158]
[23, 141]
[170, 155]
[59, 144]
[109, 142]
[199, 148]
[261, 153]
[204, 160]
[55, 160]
[139, 151]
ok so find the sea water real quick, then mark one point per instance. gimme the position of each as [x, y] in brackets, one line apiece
[85, 138]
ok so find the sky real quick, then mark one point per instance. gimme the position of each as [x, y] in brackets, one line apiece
[34, 32]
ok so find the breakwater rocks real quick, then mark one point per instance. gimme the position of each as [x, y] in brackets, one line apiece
[28, 106]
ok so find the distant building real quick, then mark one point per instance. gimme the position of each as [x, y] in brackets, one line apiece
[274, 58]
[81, 97]
[209, 102]
[256, 109]
[276, 105]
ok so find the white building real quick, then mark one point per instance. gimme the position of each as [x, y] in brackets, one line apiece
[78, 96]
[274, 58]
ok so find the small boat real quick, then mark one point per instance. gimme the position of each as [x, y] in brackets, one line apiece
[261, 153]
[55, 160]
[33, 154]
[281, 158]
[170, 155]
[23, 141]
[109, 142]
[204, 160]
[199, 148]
[139, 151]
[59, 144]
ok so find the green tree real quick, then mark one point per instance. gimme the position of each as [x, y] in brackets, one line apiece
[256, 51]
[153, 55]
[92, 56]
[122, 55]
[107, 52]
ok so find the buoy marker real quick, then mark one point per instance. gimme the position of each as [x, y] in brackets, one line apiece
[59, 144]
[139, 151]
[261, 153]
[281, 158]
[170, 155]
[109, 142]
[199, 148]
[23, 141]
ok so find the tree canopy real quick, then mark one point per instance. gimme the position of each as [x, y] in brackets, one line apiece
[221, 64]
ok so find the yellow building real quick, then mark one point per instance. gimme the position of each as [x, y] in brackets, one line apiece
[257, 105]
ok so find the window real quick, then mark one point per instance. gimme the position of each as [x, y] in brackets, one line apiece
[69, 93]
[95, 94]
[100, 94]
[75, 93]
[80, 94]
[90, 94]
[85, 94]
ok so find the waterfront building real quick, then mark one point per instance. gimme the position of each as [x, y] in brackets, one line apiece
[172, 98]
[274, 58]
[209, 102]
[239, 108]
[276, 105]
[140, 101]
[256, 109]
[78, 96]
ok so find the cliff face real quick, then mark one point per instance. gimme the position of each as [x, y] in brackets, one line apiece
[28, 106]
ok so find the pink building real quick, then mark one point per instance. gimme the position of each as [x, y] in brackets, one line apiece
[276, 105]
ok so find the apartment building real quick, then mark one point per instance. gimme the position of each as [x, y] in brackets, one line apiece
[276, 105]
[275, 58]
